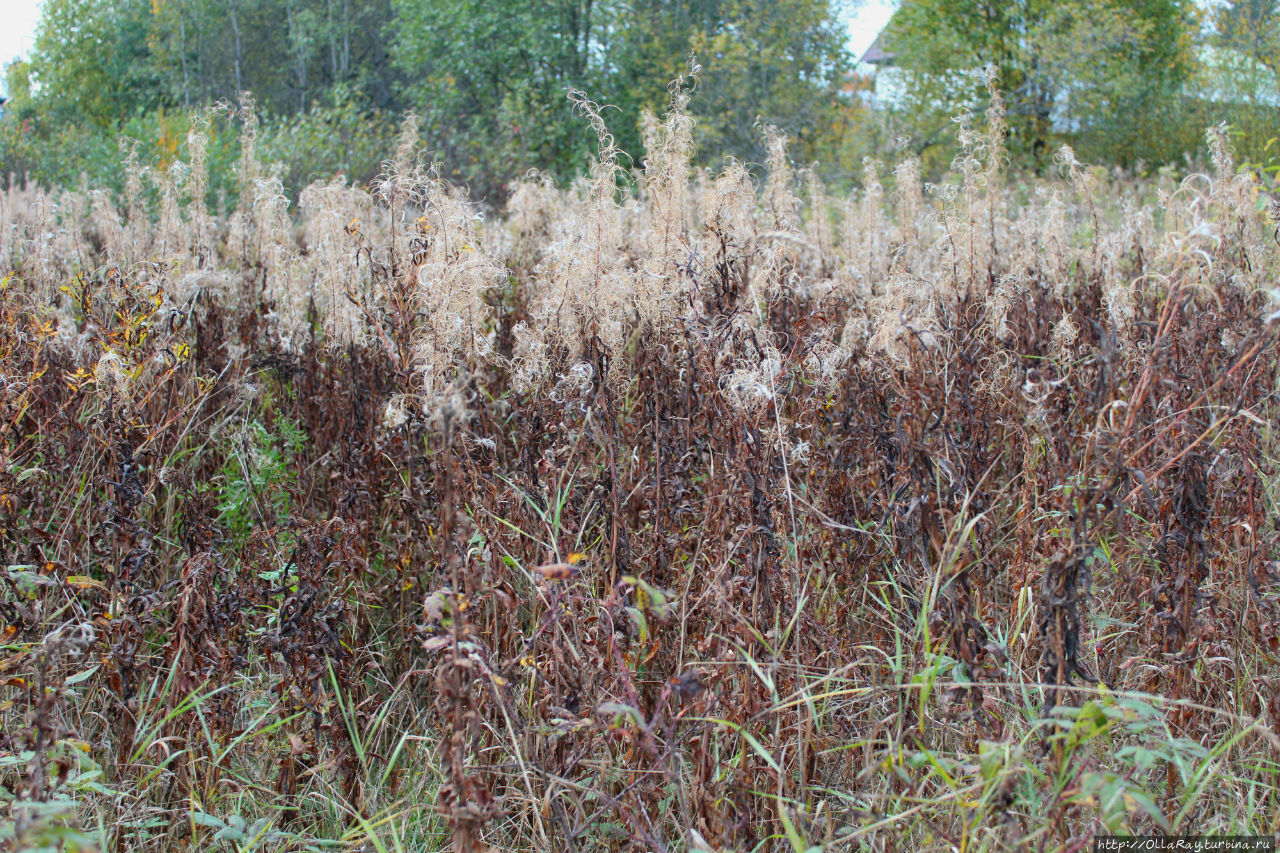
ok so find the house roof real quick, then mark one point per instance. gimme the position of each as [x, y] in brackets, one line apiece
[876, 54]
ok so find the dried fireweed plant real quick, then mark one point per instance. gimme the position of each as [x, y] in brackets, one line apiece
[672, 509]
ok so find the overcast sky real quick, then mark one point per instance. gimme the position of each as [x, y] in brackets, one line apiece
[19, 18]
[17, 28]
[866, 21]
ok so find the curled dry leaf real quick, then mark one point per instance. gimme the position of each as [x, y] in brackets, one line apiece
[557, 571]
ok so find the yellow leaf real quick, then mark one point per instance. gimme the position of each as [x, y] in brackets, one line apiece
[84, 582]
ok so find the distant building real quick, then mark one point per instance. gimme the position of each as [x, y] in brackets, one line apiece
[876, 54]
[888, 87]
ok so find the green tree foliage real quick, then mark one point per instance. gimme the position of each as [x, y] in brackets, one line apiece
[106, 60]
[1242, 71]
[490, 78]
[1109, 71]
[101, 69]
[1128, 82]
[1252, 26]
[90, 75]
[17, 85]
[92, 60]
[780, 62]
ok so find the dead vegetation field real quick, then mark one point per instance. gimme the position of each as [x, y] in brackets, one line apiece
[670, 510]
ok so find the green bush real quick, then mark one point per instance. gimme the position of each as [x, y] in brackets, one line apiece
[325, 141]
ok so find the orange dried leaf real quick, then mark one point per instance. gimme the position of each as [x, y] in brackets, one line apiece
[557, 571]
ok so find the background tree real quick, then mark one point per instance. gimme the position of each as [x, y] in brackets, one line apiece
[490, 78]
[1125, 81]
[290, 53]
[780, 62]
[319, 70]
[1252, 26]
[1096, 69]
[92, 61]
[1239, 78]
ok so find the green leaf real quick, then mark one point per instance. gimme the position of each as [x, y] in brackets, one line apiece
[621, 713]
[641, 623]
[1139, 800]
[81, 676]
[204, 819]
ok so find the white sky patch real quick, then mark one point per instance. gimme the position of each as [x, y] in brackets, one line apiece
[867, 20]
[18, 29]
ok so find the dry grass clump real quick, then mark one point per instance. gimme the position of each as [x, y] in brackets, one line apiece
[669, 510]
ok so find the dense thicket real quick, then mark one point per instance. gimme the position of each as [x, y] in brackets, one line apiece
[1104, 70]
[489, 79]
[1128, 82]
[705, 514]
[1131, 83]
